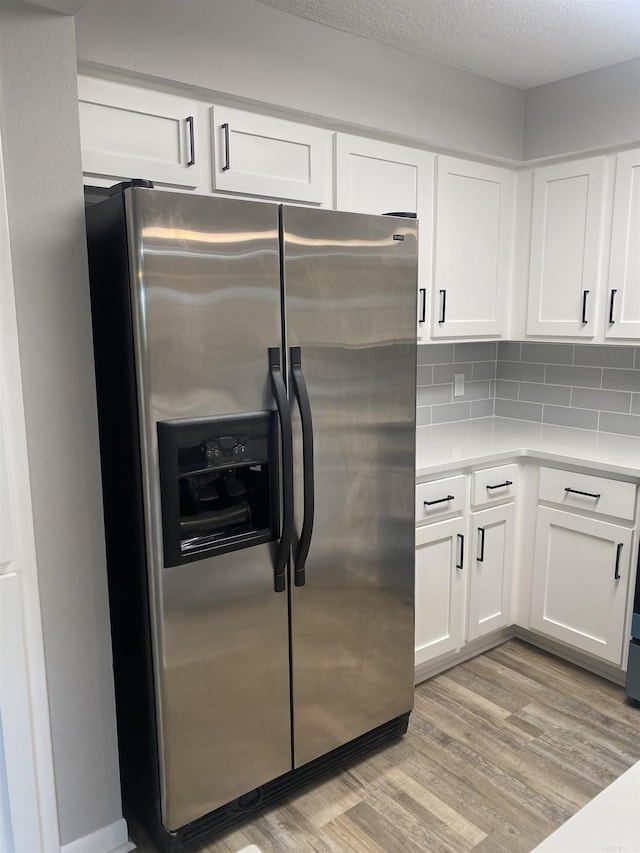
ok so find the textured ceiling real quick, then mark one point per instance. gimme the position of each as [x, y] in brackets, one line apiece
[520, 42]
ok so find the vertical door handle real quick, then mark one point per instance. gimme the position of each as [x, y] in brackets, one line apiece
[612, 299]
[302, 396]
[227, 163]
[460, 565]
[192, 142]
[284, 415]
[423, 305]
[443, 305]
[616, 572]
[480, 558]
[585, 294]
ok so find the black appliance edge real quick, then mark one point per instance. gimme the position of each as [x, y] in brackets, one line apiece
[204, 829]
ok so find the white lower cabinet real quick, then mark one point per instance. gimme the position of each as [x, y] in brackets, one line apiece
[441, 565]
[580, 583]
[490, 569]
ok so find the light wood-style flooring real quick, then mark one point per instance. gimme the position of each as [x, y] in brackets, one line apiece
[501, 750]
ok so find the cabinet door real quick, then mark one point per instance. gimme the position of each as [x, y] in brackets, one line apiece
[441, 565]
[265, 156]
[473, 248]
[378, 177]
[127, 132]
[490, 570]
[623, 307]
[566, 248]
[580, 582]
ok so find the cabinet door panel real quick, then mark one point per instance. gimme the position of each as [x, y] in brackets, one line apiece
[566, 246]
[490, 570]
[129, 132]
[262, 155]
[379, 177]
[440, 588]
[474, 225]
[580, 582]
[623, 307]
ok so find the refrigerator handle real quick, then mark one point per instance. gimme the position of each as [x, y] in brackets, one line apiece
[284, 415]
[302, 396]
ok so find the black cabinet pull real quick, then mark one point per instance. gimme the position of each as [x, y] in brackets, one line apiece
[423, 304]
[308, 489]
[612, 299]
[284, 415]
[501, 485]
[440, 500]
[192, 143]
[578, 492]
[227, 163]
[443, 305]
[616, 573]
[460, 565]
[585, 293]
[480, 559]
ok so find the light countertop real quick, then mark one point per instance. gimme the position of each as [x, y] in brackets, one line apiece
[466, 444]
[609, 822]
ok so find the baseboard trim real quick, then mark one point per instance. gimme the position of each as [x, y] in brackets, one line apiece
[426, 670]
[109, 839]
[605, 670]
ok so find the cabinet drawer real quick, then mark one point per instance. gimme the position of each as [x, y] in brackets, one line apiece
[599, 494]
[442, 497]
[494, 484]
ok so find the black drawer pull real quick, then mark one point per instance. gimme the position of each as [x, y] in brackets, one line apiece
[612, 300]
[460, 565]
[583, 319]
[440, 500]
[616, 573]
[480, 559]
[501, 485]
[423, 304]
[192, 142]
[443, 305]
[578, 492]
[227, 156]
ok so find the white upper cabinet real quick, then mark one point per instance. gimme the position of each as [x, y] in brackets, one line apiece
[265, 156]
[623, 306]
[566, 248]
[378, 177]
[473, 248]
[129, 132]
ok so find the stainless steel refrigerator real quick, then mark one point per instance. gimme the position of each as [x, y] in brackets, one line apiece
[256, 375]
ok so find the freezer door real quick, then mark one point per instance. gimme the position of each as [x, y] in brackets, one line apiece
[206, 305]
[350, 286]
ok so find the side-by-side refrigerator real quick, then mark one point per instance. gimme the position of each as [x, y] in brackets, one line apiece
[256, 376]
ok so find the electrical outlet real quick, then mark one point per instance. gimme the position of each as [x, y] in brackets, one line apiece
[458, 385]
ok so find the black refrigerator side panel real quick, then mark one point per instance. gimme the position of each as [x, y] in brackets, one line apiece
[123, 509]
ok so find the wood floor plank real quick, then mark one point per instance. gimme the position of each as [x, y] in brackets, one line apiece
[500, 750]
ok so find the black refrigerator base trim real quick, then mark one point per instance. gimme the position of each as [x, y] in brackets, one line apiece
[203, 829]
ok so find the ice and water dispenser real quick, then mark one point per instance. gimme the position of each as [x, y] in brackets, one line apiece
[219, 485]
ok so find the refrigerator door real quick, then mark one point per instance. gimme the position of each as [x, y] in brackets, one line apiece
[206, 305]
[350, 289]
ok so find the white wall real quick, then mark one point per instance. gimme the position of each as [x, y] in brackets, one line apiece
[41, 148]
[590, 110]
[252, 51]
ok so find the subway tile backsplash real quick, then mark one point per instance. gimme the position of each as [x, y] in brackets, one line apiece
[589, 387]
[437, 366]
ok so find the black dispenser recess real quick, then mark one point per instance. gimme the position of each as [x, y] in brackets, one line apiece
[218, 483]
